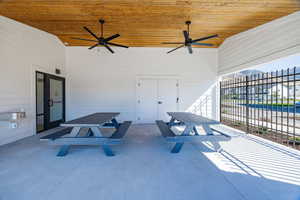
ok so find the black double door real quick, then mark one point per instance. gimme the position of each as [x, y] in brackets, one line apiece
[50, 101]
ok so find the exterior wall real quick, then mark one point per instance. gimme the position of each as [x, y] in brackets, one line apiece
[23, 50]
[262, 44]
[101, 81]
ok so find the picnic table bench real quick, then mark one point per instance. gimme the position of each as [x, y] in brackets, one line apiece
[190, 121]
[92, 135]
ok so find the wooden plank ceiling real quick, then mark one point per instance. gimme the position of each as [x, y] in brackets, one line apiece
[146, 23]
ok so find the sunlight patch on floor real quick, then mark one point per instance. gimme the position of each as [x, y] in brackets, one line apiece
[245, 156]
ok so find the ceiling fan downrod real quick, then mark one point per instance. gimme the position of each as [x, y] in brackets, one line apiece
[188, 23]
[101, 21]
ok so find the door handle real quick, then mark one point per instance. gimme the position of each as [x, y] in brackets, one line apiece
[159, 102]
[50, 102]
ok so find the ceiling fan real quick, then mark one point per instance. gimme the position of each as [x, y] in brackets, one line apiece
[188, 42]
[101, 41]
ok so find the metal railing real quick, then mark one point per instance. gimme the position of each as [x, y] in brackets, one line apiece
[264, 104]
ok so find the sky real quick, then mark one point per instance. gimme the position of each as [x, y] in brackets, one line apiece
[283, 63]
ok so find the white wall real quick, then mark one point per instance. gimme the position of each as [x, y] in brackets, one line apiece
[100, 81]
[273, 40]
[23, 50]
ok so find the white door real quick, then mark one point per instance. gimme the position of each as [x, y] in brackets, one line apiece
[167, 98]
[147, 101]
[156, 97]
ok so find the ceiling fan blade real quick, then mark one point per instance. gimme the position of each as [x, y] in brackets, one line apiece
[202, 44]
[83, 39]
[186, 35]
[117, 45]
[175, 48]
[111, 37]
[109, 48]
[190, 49]
[204, 38]
[93, 46]
[88, 30]
[172, 43]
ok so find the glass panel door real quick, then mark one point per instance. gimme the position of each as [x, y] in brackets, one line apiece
[55, 96]
[50, 101]
[56, 100]
[40, 102]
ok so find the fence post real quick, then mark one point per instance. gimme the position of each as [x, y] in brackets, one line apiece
[220, 102]
[247, 103]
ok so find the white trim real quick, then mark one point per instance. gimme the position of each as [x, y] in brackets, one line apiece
[158, 76]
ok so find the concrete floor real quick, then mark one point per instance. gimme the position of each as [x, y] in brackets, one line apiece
[247, 168]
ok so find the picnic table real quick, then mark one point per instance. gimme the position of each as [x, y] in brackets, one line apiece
[90, 125]
[191, 121]
[190, 133]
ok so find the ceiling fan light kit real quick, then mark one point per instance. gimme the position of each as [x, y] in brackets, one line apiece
[106, 42]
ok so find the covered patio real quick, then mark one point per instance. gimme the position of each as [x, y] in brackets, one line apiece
[127, 100]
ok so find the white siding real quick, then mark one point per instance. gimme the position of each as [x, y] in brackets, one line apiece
[24, 49]
[100, 81]
[274, 40]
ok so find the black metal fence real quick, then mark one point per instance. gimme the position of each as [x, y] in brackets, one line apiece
[264, 104]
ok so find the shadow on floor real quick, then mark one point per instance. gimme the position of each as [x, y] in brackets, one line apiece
[142, 169]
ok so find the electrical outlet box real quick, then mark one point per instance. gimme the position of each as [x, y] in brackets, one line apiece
[13, 125]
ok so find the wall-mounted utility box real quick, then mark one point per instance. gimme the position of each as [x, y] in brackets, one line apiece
[11, 116]
[10, 119]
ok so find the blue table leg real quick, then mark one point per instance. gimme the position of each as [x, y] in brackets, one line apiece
[170, 124]
[65, 148]
[215, 144]
[63, 151]
[195, 130]
[115, 123]
[107, 150]
[89, 133]
[207, 129]
[177, 147]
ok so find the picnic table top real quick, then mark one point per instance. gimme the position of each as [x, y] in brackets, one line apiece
[190, 118]
[96, 119]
